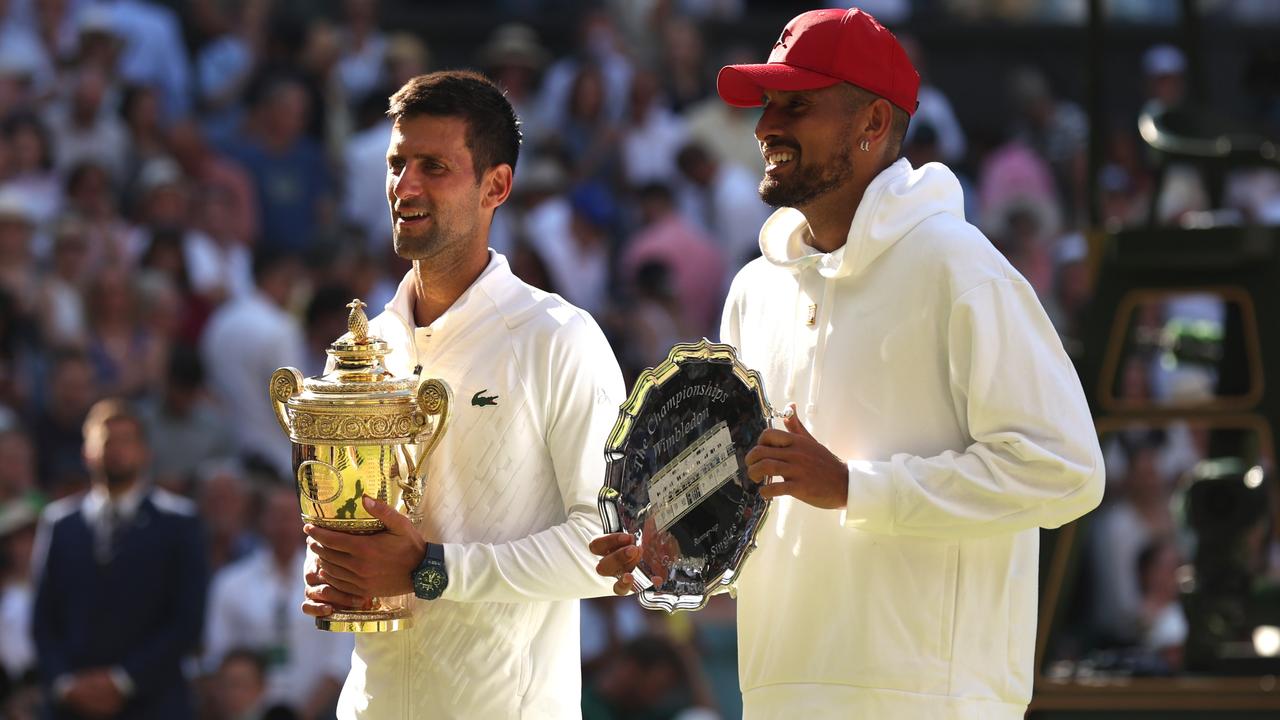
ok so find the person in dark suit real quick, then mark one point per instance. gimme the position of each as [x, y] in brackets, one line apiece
[121, 584]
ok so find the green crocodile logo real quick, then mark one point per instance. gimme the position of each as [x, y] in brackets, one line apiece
[480, 399]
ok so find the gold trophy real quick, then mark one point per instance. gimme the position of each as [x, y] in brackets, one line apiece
[358, 430]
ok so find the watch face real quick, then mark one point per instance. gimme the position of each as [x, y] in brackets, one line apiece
[430, 582]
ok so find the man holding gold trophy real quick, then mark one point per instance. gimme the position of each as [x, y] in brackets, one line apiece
[936, 422]
[480, 405]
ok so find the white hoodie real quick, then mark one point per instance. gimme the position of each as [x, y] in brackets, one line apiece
[930, 368]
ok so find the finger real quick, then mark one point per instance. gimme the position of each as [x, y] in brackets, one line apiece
[606, 544]
[343, 580]
[326, 554]
[761, 471]
[777, 489]
[329, 595]
[332, 539]
[618, 562]
[623, 586]
[315, 609]
[792, 423]
[395, 521]
[774, 437]
[765, 452]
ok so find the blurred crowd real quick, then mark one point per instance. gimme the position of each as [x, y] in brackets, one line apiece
[191, 191]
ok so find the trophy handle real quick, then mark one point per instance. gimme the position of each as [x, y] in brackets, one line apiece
[285, 383]
[434, 401]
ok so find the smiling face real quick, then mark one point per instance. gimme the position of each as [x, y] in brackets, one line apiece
[436, 201]
[807, 139]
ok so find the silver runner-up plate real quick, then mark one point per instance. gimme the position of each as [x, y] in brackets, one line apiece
[676, 478]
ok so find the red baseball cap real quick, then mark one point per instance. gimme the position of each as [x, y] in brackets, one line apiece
[820, 48]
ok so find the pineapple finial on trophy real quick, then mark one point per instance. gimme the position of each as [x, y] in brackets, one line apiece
[358, 322]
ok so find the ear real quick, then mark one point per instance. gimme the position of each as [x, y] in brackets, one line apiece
[496, 182]
[879, 120]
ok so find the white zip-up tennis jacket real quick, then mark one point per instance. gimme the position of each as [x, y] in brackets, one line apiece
[931, 369]
[511, 494]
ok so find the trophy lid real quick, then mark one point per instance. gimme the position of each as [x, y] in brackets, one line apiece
[359, 401]
[358, 366]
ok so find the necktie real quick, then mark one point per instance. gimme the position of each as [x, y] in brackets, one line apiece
[109, 532]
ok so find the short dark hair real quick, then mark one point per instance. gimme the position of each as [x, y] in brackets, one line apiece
[493, 130]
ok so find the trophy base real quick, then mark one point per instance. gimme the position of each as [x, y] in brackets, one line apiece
[366, 622]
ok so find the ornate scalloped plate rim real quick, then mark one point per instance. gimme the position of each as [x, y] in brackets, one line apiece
[610, 517]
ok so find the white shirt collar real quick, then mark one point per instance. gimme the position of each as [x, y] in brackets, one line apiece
[95, 502]
[458, 313]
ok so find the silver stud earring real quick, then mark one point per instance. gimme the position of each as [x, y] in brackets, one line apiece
[865, 145]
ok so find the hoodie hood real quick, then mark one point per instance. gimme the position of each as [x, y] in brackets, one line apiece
[896, 201]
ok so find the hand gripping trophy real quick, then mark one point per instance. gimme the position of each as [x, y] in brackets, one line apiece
[357, 430]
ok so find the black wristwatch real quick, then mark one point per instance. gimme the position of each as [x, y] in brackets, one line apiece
[430, 578]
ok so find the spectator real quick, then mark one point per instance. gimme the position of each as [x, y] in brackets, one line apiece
[63, 317]
[31, 176]
[115, 651]
[185, 429]
[697, 268]
[91, 195]
[515, 58]
[152, 52]
[17, 466]
[364, 197]
[651, 676]
[146, 137]
[934, 111]
[1121, 531]
[218, 175]
[239, 689]
[588, 137]
[286, 166]
[56, 423]
[127, 359]
[17, 535]
[1162, 623]
[18, 278]
[599, 47]
[245, 341]
[572, 239]
[653, 320]
[728, 133]
[225, 503]
[326, 321]
[364, 50]
[724, 197]
[86, 127]
[651, 134]
[1057, 130]
[686, 76]
[219, 264]
[254, 603]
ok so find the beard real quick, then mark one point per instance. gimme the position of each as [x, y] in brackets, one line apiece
[120, 476]
[806, 184]
[417, 245]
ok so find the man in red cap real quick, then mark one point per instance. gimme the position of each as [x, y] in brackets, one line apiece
[938, 423]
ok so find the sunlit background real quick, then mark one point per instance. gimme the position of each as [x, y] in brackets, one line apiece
[180, 179]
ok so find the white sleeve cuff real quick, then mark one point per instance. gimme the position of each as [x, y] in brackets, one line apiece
[870, 503]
